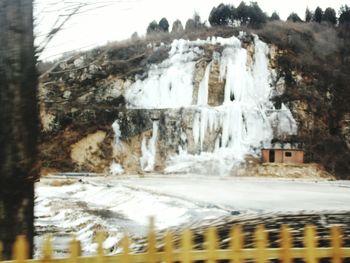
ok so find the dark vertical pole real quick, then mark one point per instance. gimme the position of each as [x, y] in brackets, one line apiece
[18, 121]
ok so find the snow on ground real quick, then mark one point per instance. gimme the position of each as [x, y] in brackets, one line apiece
[116, 205]
[84, 207]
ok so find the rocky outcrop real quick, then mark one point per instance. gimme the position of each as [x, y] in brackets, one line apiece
[216, 86]
[88, 152]
[252, 167]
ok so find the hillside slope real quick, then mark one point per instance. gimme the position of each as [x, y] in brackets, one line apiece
[83, 95]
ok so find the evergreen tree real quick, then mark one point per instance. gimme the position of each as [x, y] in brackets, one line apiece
[197, 20]
[293, 17]
[274, 16]
[194, 23]
[317, 17]
[308, 15]
[330, 16]
[164, 25]
[344, 15]
[251, 14]
[214, 18]
[135, 36]
[177, 26]
[153, 27]
[257, 16]
[243, 13]
[190, 25]
[222, 15]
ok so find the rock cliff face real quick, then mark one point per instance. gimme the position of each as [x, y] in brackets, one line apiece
[189, 106]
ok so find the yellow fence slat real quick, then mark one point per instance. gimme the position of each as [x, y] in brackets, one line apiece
[222, 254]
[211, 244]
[286, 245]
[20, 249]
[74, 250]
[336, 244]
[100, 236]
[47, 250]
[186, 246]
[310, 243]
[261, 244]
[126, 249]
[211, 253]
[236, 244]
[1, 250]
[151, 249]
[168, 254]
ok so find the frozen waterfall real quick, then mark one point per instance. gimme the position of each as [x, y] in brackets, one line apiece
[242, 124]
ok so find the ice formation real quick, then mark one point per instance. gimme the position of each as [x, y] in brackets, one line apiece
[148, 149]
[244, 123]
[116, 168]
[169, 84]
[117, 134]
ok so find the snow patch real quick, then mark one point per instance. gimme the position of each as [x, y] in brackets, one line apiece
[116, 169]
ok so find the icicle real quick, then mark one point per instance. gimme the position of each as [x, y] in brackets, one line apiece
[169, 84]
[203, 125]
[117, 135]
[196, 127]
[203, 88]
[116, 168]
[147, 160]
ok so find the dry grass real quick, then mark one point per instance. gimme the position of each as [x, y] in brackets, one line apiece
[61, 182]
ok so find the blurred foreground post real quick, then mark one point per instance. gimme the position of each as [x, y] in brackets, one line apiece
[18, 121]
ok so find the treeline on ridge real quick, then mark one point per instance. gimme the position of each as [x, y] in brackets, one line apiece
[251, 15]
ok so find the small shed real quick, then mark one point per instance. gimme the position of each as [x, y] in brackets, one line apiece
[283, 153]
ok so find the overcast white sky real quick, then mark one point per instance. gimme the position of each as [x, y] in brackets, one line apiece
[118, 19]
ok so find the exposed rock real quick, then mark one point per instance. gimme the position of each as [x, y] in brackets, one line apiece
[253, 167]
[47, 121]
[345, 128]
[197, 78]
[87, 152]
[216, 86]
[79, 62]
[304, 115]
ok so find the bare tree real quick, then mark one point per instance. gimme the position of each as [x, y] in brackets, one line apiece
[63, 11]
[18, 121]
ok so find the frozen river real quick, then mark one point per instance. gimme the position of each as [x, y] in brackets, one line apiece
[85, 205]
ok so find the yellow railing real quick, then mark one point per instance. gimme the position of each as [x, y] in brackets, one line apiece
[183, 251]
